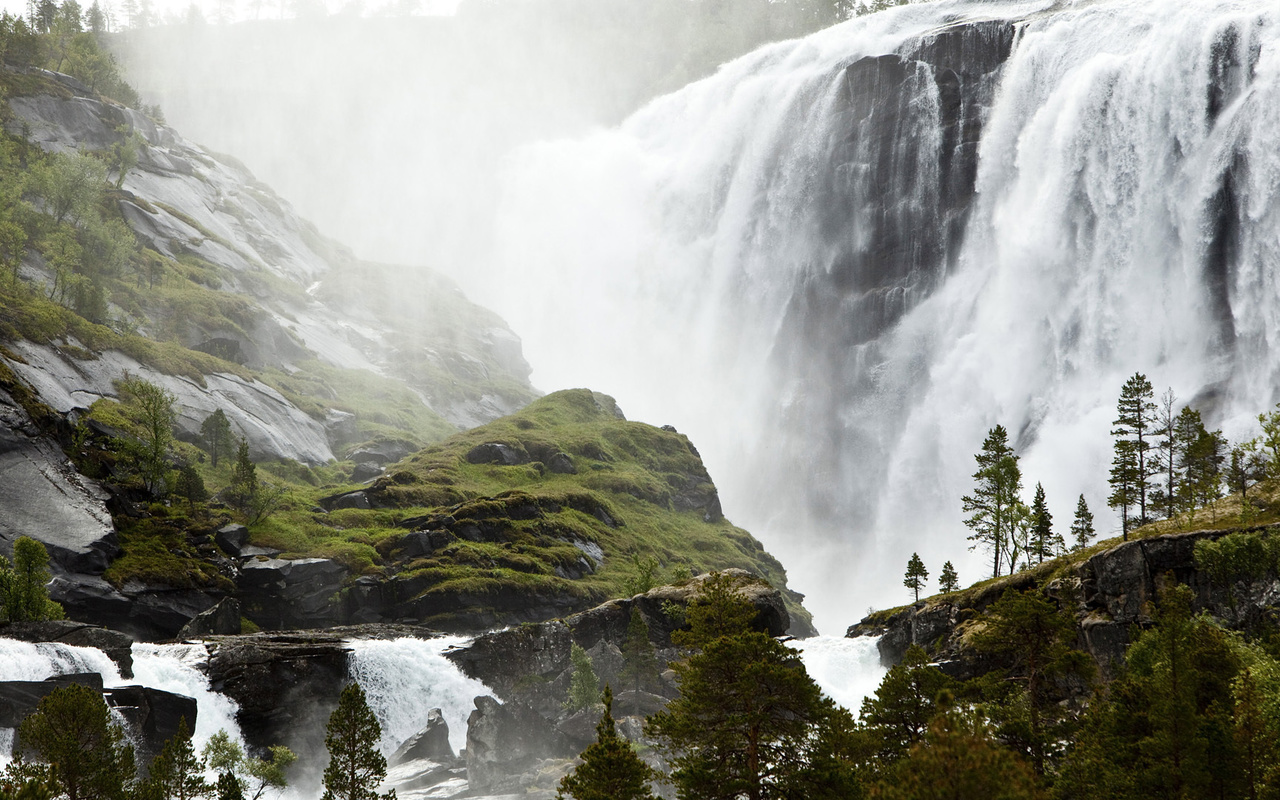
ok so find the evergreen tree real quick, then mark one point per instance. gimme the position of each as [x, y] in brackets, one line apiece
[1270, 440]
[228, 787]
[898, 714]
[1082, 526]
[1202, 457]
[992, 505]
[584, 686]
[1245, 468]
[916, 575]
[216, 434]
[23, 595]
[176, 772]
[948, 580]
[1044, 542]
[1165, 458]
[190, 486]
[356, 766]
[88, 754]
[244, 477]
[610, 768]
[1133, 466]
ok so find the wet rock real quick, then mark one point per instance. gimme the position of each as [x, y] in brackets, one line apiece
[292, 593]
[152, 715]
[117, 646]
[497, 453]
[383, 452]
[431, 743]
[19, 698]
[366, 471]
[221, 620]
[357, 499]
[504, 741]
[232, 538]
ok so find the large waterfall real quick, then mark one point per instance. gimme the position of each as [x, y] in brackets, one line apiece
[840, 260]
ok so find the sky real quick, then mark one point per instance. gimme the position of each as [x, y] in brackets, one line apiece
[240, 10]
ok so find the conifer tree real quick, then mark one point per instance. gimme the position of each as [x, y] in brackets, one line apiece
[244, 477]
[1082, 526]
[1133, 467]
[176, 772]
[217, 436]
[584, 685]
[88, 754]
[1164, 499]
[898, 714]
[995, 497]
[640, 666]
[1044, 542]
[916, 575]
[948, 580]
[610, 768]
[356, 766]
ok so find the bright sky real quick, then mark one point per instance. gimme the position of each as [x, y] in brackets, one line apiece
[237, 10]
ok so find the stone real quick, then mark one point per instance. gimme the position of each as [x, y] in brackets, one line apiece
[152, 715]
[19, 698]
[357, 499]
[232, 538]
[504, 741]
[497, 453]
[116, 645]
[292, 593]
[384, 452]
[562, 464]
[366, 471]
[221, 620]
[431, 743]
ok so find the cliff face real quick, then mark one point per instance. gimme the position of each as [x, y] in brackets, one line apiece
[1112, 595]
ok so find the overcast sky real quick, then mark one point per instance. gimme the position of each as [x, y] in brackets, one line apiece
[236, 10]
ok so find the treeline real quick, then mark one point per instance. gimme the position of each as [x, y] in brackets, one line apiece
[65, 38]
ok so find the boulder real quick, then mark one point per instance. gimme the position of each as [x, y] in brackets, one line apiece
[19, 698]
[292, 593]
[561, 463]
[431, 743]
[221, 620]
[152, 715]
[383, 452]
[357, 499]
[504, 741]
[366, 471]
[232, 538]
[497, 453]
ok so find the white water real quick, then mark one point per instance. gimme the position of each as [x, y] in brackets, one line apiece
[175, 668]
[403, 679]
[658, 262]
[847, 670]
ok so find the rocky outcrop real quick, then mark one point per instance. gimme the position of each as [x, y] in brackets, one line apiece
[506, 741]
[117, 646]
[282, 594]
[1110, 594]
[430, 743]
[221, 620]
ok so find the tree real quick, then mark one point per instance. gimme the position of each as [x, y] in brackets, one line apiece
[640, 667]
[916, 575]
[244, 477]
[1124, 472]
[1044, 542]
[948, 580]
[1031, 631]
[218, 439]
[151, 408]
[1245, 468]
[1134, 428]
[584, 686]
[88, 754]
[1165, 458]
[356, 767]
[224, 756]
[1270, 440]
[898, 714]
[190, 486]
[176, 772]
[610, 768]
[991, 506]
[23, 595]
[1202, 457]
[1082, 526]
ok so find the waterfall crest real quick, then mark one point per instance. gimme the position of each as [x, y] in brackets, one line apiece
[840, 260]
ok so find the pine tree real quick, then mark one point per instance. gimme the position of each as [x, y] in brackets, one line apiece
[176, 772]
[244, 477]
[190, 486]
[1133, 466]
[1166, 457]
[994, 500]
[916, 575]
[610, 768]
[88, 754]
[218, 439]
[948, 580]
[1044, 543]
[640, 667]
[1082, 526]
[898, 714]
[356, 766]
[584, 686]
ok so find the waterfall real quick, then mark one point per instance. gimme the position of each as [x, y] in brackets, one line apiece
[840, 260]
[403, 679]
[847, 670]
[176, 668]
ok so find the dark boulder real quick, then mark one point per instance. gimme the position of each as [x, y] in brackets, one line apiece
[431, 743]
[19, 698]
[221, 620]
[152, 715]
[366, 471]
[232, 539]
[292, 593]
[358, 500]
[497, 453]
[384, 452]
[561, 463]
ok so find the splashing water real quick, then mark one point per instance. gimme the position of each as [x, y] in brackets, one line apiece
[35, 661]
[785, 261]
[403, 679]
[847, 669]
[176, 668]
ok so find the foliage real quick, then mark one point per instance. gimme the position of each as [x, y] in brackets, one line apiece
[916, 575]
[1132, 467]
[150, 407]
[584, 686]
[644, 579]
[994, 501]
[640, 665]
[356, 767]
[1082, 526]
[216, 436]
[23, 595]
[948, 580]
[897, 715]
[88, 754]
[237, 771]
[190, 486]
[1044, 542]
[176, 772]
[610, 768]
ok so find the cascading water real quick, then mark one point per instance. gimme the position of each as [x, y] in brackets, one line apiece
[840, 260]
[847, 670]
[403, 679]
